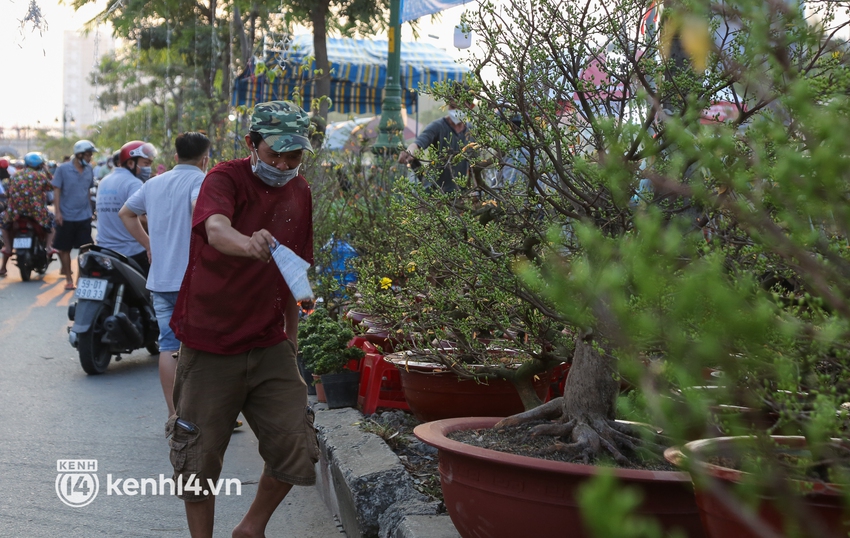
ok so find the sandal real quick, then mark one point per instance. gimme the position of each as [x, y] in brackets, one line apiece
[69, 286]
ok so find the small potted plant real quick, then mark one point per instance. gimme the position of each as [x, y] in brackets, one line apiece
[324, 347]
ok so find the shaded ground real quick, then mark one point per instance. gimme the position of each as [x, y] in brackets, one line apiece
[420, 460]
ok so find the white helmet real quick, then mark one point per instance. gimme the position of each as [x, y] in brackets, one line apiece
[83, 146]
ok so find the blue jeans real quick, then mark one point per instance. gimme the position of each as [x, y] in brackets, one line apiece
[163, 306]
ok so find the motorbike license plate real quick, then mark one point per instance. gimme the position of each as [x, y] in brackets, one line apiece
[22, 242]
[93, 289]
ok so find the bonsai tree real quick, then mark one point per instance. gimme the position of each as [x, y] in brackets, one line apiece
[324, 343]
[658, 235]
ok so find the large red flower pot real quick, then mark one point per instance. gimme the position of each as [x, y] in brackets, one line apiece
[492, 494]
[721, 511]
[434, 393]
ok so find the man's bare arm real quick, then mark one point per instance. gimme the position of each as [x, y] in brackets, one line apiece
[223, 237]
[133, 223]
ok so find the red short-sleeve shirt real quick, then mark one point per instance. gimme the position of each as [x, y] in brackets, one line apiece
[229, 304]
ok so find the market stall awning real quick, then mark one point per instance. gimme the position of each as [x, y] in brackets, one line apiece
[358, 71]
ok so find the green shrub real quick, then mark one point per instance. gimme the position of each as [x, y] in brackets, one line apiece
[324, 343]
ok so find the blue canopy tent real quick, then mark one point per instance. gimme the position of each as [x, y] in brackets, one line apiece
[358, 74]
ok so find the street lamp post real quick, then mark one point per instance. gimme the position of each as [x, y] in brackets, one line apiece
[392, 124]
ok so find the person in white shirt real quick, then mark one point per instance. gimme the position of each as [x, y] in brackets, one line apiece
[168, 200]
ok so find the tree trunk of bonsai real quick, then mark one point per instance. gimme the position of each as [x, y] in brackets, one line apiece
[583, 418]
[591, 389]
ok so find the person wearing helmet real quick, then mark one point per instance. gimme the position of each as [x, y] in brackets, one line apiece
[27, 197]
[114, 190]
[71, 184]
[237, 321]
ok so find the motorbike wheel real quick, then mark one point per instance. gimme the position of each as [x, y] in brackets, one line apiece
[26, 271]
[94, 355]
[153, 349]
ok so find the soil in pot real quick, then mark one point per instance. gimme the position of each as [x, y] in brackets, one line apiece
[485, 490]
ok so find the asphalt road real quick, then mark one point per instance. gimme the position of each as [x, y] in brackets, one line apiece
[51, 410]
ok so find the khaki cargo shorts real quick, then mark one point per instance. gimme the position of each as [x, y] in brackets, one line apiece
[209, 392]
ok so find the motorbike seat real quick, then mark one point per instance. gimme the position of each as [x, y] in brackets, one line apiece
[122, 258]
[24, 221]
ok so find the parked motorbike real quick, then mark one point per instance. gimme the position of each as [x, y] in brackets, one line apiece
[29, 244]
[114, 311]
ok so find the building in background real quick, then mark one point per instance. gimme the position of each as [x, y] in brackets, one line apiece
[81, 54]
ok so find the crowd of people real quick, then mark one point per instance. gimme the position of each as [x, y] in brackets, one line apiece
[228, 322]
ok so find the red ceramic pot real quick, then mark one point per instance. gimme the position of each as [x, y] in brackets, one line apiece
[824, 503]
[491, 494]
[434, 393]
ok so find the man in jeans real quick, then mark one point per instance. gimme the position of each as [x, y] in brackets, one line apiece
[237, 322]
[72, 205]
[168, 200]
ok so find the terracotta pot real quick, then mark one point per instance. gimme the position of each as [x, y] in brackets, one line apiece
[499, 495]
[355, 316]
[320, 390]
[824, 502]
[434, 393]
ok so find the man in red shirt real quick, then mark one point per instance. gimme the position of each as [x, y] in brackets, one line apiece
[238, 324]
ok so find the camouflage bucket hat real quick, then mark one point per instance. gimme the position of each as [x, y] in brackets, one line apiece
[283, 124]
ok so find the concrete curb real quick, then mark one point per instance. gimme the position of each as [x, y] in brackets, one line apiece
[364, 484]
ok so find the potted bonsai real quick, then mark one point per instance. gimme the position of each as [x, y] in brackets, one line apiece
[668, 220]
[324, 347]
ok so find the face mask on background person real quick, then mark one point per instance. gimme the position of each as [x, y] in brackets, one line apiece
[457, 116]
[144, 173]
[270, 175]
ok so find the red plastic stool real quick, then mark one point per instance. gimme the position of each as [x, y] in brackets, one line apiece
[558, 380]
[380, 385]
[363, 343]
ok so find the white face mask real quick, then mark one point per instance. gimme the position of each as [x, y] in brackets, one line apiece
[270, 175]
[457, 116]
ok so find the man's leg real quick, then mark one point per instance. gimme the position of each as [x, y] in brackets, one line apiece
[163, 307]
[270, 493]
[208, 394]
[167, 367]
[200, 516]
[7, 249]
[65, 261]
[276, 410]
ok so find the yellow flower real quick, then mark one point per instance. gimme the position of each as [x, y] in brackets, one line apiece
[386, 283]
[411, 267]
